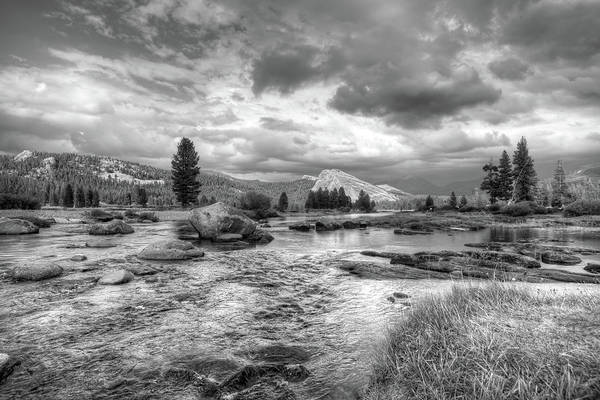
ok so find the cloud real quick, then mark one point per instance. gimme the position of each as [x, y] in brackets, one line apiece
[510, 69]
[413, 103]
[286, 69]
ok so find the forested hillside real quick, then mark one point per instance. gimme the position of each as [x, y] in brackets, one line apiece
[44, 176]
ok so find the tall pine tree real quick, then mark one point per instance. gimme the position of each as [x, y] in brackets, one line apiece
[525, 177]
[453, 201]
[184, 172]
[67, 196]
[283, 202]
[491, 182]
[560, 190]
[505, 178]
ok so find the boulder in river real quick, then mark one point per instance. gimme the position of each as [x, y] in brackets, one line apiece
[10, 226]
[78, 257]
[111, 228]
[259, 236]
[560, 258]
[116, 277]
[170, 250]
[321, 226]
[302, 227]
[36, 272]
[350, 225]
[217, 219]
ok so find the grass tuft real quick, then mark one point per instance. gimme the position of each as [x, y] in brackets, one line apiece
[492, 342]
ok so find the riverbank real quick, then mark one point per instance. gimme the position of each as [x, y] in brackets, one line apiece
[492, 342]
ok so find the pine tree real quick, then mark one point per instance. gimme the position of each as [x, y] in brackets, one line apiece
[453, 201]
[505, 178]
[429, 203]
[363, 203]
[79, 197]
[203, 201]
[89, 198]
[67, 196]
[142, 196]
[334, 198]
[491, 181]
[463, 201]
[560, 190]
[96, 199]
[184, 172]
[343, 199]
[283, 202]
[310, 201]
[525, 177]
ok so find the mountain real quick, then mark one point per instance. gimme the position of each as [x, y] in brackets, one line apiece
[393, 190]
[334, 178]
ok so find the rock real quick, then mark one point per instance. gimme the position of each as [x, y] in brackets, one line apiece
[400, 295]
[141, 270]
[217, 219]
[405, 259]
[250, 375]
[60, 220]
[593, 268]
[37, 221]
[363, 225]
[36, 272]
[558, 258]
[493, 246]
[7, 366]
[111, 228]
[228, 237]
[302, 227]
[260, 236]
[17, 227]
[99, 244]
[170, 250]
[510, 258]
[391, 299]
[456, 274]
[350, 225]
[101, 215]
[410, 232]
[78, 257]
[116, 277]
[321, 226]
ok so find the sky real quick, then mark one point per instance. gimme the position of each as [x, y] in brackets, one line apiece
[275, 89]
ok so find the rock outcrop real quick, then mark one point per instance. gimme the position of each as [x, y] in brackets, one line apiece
[36, 272]
[10, 226]
[114, 227]
[302, 227]
[560, 258]
[216, 220]
[170, 250]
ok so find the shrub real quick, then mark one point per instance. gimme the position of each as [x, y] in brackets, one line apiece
[255, 201]
[582, 207]
[494, 207]
[469, 208]
[14, 201]
[520, 209]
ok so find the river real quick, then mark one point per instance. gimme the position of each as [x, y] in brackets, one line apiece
[281, 302]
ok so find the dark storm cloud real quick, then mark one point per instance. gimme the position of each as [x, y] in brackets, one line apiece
[286, 69]
[411, 103]
[548, 31]
[510, 69]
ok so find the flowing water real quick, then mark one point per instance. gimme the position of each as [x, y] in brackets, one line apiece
[282, 302]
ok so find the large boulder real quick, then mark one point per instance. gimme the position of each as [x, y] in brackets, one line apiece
[116, 278]
[321, 226]
[217, 219]
[593, 268]
[7, 366]
[170, 250]
[111, 228]
[36, 272]
[17, 227]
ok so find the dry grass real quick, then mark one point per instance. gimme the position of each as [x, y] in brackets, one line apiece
[493, 342]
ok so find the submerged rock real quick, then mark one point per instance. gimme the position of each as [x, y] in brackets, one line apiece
[350, 225]
[10, 226]
[78, 257]
[36, 272]
[251, 375]
[559, 258]
[99, 244]
[111, 228]
[170, 250]
[116, 278]
[593, 268]
[7, 366]
[411, 232]
[217, 219]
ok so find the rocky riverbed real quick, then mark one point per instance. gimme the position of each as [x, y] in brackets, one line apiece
[111, 317]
